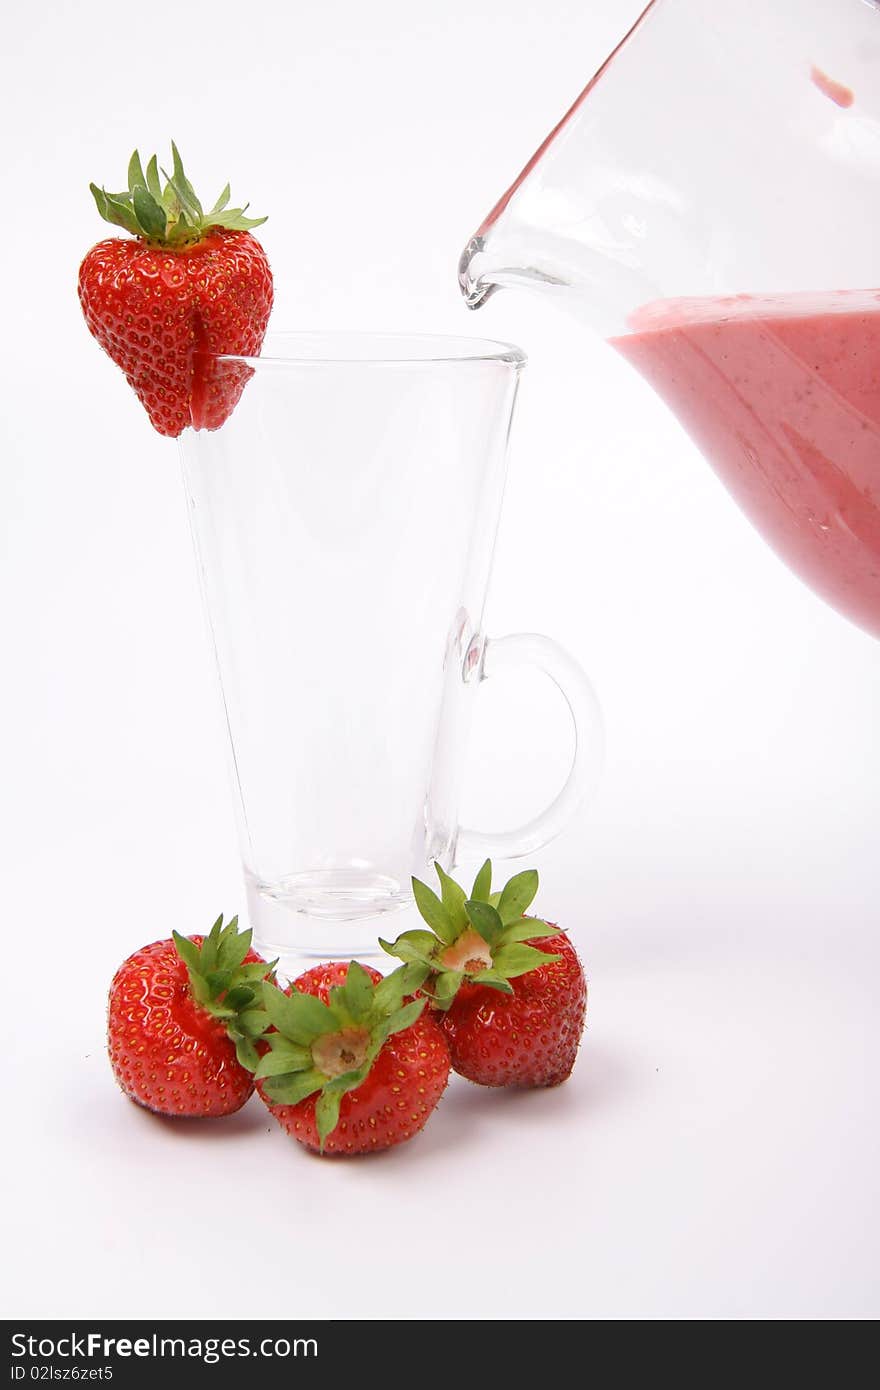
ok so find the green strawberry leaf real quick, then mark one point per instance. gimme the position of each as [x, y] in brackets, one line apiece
[218, 981]
[135, 173]
[295, 1054]
[171, 215]
[314, 1015]
[235, 220]
[357, 992]
[284, 1063]
[390, 992]
[327, 1114]
[224, 987]
[187, 950]
[349, 1080]
[201, 990]
[238, 997]
[412, 946]
[210, 947]
[528, 929]
[517, 894]
[291, 1089]
[221, 202]
[190, 191]
[246, 1053]
[300, 1017]
[288, 1071]
[114, 211]
[183, 188]
[253, 1022]
[512, 961]
[279, 1007]
[413, 976]
[170, 202]
[483, 883]
[152, 180]
[494, 980]
[235, 946]
[453, 896]
[256, 969]
[446, 987]
[403, 1018]
[485, 920]
[434, 913]
[219, 1011]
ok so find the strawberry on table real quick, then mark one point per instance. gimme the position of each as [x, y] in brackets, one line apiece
[509, 989]
[183, 1018]
[352, 1068]
[190, 285]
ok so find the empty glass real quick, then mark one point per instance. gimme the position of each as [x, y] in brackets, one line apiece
[344, 520]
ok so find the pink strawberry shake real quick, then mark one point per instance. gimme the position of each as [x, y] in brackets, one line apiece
[782, 395]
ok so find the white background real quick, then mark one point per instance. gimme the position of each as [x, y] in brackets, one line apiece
[716, 1153]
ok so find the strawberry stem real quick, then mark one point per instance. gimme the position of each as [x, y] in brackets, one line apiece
[483, 939]
[228, 987]
[170, 216]
[329, 1049]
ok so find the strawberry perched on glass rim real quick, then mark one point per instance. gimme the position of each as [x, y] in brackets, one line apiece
[187, 287]
[509, 990]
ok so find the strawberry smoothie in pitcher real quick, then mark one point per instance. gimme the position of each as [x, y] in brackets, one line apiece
[782, 395]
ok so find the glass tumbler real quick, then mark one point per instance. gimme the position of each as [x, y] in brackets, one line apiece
[344, 520]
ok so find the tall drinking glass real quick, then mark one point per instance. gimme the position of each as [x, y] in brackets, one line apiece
[344, 521]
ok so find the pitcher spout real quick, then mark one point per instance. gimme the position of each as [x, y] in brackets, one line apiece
[472, 281]
[705, 157]
[481, 273]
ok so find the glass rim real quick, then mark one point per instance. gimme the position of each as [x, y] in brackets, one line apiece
[332, 348]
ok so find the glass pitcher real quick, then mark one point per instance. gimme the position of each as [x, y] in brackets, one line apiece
[710, 204]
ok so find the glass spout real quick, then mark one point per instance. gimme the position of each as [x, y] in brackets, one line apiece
[720, 149]
[515, 244]
[475, 288]
[479, 277]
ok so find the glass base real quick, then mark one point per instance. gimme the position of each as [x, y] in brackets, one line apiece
[327, 916]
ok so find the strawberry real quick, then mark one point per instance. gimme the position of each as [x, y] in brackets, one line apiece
[509, 989]
[190, 285]
[182, 1022]
[351, 1068]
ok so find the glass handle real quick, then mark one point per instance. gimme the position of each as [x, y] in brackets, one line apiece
[530, 649]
